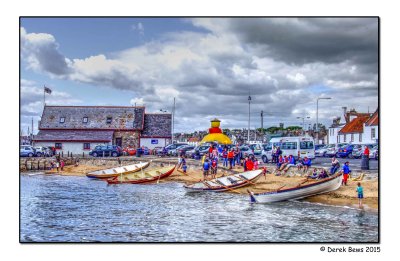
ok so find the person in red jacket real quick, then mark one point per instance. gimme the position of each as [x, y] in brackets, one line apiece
[366, 151]
[249, 164]
[231, 158]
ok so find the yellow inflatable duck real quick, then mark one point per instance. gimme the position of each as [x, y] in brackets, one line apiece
[215, 134]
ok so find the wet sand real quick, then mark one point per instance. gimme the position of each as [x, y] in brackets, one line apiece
[344, 196]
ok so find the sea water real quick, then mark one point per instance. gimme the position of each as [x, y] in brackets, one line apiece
[79, 209]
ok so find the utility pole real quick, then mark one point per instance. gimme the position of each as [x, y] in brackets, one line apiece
[173, 121]
[248, 130]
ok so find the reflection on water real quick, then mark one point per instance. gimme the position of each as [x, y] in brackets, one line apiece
[77, 209]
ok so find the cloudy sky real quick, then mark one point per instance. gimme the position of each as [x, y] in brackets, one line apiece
[210, 65]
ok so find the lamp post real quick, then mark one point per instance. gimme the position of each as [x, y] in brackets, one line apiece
[320, 98]
[248, 130]
[303, 121]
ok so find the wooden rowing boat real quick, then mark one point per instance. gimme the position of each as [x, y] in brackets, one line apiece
[150, 175]
[117, 171]
[300, 191]
[226, 183]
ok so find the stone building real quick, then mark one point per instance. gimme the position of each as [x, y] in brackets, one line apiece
[79, 129]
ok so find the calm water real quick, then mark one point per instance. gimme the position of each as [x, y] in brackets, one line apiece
[78, 209]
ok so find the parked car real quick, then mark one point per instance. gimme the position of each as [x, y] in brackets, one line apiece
[266, 154]
[345, 151]
[256, 148]
[106, 150]
[358, 150]
[321, 151]
[43, 151]
[26, 151]
[318, 146]
[169, 148]
[246, 150]
[333, 151]
[183, 149]
[374, 153]
[199, 150]
[174, 151]
[129, 151]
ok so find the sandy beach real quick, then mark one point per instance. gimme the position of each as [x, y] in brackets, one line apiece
[344, 196]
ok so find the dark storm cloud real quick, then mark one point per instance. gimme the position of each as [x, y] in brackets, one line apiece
[306, 40]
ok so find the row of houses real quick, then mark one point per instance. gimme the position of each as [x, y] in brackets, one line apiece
[358, 128]
[79, 129]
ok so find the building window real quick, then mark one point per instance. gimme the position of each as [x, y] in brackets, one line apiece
[344, 138]
[58, 146]
[62, 119]
[86, 146]
[85, 120]
[352, 137]
[109, 120]
[360, 137]
[372, 133]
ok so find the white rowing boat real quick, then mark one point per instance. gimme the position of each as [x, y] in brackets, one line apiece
[226, 183]
[117, 171]
[301, 191]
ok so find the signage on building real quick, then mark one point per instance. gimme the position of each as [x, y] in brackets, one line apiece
[154, 141]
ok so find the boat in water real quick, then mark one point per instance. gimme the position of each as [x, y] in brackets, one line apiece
[300, 191]
[117, 171]
[226, 183]
[143, 176]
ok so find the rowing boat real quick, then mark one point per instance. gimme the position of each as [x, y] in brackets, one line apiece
[150, 175]
[226, 183]
[300, 191]
[117, 171]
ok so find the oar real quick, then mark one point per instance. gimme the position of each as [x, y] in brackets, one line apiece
[281, 187]
[228, 188]
[246, 180]
[158, 181]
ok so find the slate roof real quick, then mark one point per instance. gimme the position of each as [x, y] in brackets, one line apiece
[74, 135]
[157, 125]
[373, 120]
[355, 126]
[122, 117]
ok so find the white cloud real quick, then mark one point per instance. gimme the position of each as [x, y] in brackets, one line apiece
[213, 71]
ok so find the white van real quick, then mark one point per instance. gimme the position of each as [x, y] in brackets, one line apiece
[296, 146]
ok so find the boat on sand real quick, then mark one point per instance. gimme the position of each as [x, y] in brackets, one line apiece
[300, 191]
[226, 183]
[117, 171]
[143, 176]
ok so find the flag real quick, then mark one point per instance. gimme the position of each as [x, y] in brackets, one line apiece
[47, 90]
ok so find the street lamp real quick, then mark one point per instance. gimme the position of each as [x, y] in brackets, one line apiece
[248, 130]
[303, 121]
[321, 98]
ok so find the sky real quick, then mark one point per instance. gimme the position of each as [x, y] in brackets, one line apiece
[210, 66]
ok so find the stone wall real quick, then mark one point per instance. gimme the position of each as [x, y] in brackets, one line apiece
[129, 138]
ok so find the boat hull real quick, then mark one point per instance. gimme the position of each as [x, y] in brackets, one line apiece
[164, 174]
[114, 172]
[323, 186]
[241, 182]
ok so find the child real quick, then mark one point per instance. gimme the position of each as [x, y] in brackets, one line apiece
[62, 165]
[184, 167]
[346, 172]
[314, 174]
[214, 165]
[360, 193]
[206, 168]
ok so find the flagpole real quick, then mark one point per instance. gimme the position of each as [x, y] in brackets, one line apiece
[44, 96]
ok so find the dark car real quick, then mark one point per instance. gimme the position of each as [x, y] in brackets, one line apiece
[106, 150]
[182, 150]
[345, 151]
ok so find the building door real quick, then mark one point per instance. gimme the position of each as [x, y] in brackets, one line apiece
[118, 142]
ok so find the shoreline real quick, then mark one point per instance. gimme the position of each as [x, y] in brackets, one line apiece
[344, 196]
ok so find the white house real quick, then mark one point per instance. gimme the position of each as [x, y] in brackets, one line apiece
[371, 129]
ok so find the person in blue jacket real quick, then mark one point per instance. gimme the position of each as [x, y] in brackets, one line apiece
[206, 168]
